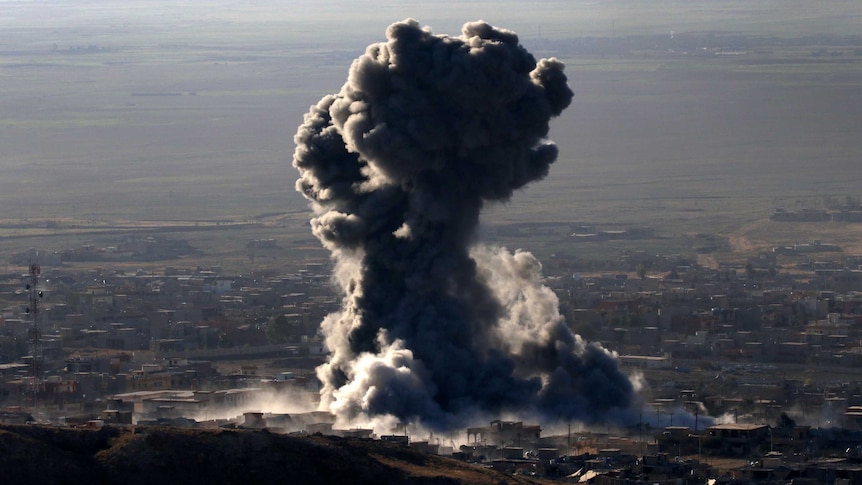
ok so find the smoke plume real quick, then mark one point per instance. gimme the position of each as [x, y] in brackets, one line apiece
[435, 328]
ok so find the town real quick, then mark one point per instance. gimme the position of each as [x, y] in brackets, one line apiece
[162, 296]
[755, 363]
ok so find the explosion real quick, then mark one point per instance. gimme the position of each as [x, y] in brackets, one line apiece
[436, 328]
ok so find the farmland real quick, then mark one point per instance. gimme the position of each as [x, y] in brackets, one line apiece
[696, 121]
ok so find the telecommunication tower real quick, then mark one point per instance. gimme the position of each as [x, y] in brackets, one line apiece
[35, 333]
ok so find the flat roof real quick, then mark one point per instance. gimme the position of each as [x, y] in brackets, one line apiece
[738, 426]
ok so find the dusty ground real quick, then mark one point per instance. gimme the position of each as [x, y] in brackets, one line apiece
[142, 455]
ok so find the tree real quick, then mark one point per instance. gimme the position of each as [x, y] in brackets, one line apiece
[785, 422]
[279, 329]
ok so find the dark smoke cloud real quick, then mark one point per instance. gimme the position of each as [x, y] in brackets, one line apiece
[434, 327]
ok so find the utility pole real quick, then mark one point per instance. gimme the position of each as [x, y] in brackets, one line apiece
[696, 430]
[35, 333]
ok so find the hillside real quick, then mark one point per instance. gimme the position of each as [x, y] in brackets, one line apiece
[145, 455]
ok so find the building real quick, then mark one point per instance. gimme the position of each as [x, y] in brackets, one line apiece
[738, 439]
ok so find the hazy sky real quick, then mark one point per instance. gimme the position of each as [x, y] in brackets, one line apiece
[358, 17]
[256, 66]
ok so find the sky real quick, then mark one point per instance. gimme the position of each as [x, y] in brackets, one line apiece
[271, 60]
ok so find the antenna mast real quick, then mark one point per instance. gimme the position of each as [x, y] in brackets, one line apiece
[35, 333]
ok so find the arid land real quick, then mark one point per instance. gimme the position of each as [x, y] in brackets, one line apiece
[698, 136]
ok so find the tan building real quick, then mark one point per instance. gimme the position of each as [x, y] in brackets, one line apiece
[739, 439]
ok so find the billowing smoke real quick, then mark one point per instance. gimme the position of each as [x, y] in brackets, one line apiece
[434, 328]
